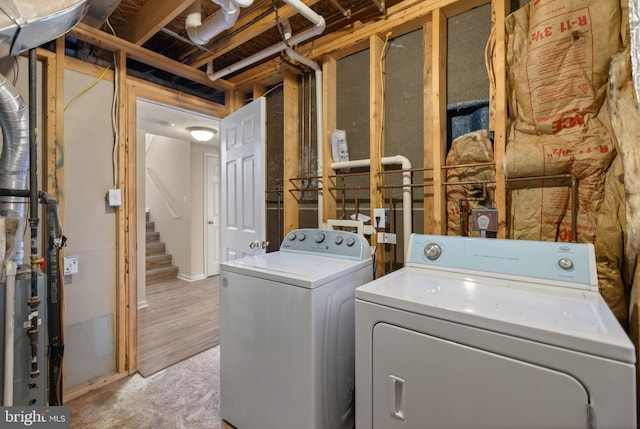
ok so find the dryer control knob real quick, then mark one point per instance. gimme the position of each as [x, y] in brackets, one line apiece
[432, 251]
[319, 237]
[339, 240]
[291, 236]
[351, 241]
[565, 263]
[301, 236]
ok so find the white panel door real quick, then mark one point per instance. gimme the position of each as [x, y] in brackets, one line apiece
[212, 214]
[242, 150]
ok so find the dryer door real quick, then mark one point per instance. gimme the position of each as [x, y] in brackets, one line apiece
[420, 381]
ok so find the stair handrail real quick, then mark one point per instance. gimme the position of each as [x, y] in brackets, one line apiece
[166, 199]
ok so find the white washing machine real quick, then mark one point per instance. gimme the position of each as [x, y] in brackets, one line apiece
[287, 332]
[488, 333]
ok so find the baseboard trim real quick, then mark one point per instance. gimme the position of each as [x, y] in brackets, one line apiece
[143, 304]
[191, 278]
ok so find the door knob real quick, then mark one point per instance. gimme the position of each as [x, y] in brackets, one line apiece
[254, 245]
[210, 222]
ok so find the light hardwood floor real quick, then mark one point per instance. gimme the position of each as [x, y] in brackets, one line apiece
[182, 320]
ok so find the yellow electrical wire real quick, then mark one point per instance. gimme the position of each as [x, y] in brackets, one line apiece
[380, 135]
[87, 88]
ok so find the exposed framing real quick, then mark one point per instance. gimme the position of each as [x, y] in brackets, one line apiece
[409, 15]
[291, 148]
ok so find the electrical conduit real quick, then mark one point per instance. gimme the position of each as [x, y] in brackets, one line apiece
[318, 76]
[407, 207]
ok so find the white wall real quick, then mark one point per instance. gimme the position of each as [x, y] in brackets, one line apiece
[168, 196]
[90, 228]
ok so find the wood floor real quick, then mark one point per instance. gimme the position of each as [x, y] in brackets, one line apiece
[182, 319]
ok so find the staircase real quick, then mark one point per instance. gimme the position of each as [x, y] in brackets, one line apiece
[158, 262]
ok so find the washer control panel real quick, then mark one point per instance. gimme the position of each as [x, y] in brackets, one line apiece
[562, 262]
[327, 241]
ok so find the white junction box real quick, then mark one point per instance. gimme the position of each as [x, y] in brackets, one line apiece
[114, 197]
[70, 265]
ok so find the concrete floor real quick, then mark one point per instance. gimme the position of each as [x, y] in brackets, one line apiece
[185, 395]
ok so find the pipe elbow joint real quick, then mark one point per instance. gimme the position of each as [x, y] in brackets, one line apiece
[320, 26]
[192, 32]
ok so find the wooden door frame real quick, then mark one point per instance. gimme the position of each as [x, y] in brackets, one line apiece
[207, 155]
[126, 248]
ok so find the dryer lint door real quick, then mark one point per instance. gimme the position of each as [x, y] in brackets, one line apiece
[421, 381]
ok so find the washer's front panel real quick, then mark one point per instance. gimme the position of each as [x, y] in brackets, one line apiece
[265, 354]
[421, 381]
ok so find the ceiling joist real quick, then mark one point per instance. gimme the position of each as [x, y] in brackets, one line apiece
[251, 30]
[109, 42]
[150, 18]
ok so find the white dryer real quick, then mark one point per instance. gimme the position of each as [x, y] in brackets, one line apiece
[488, 333]
[287, 332]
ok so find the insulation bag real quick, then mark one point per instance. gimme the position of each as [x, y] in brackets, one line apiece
[557, 59]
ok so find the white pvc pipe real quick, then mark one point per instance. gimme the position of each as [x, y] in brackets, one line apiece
[201, 32]
[407, 205]
[307, 12]
[303, 9]
[319, 143]
[9, 315]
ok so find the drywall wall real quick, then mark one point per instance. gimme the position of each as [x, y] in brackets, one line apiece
[90, 228]
[168, 196]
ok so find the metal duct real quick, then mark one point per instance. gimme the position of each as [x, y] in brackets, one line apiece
[26, 24]
[14, 162]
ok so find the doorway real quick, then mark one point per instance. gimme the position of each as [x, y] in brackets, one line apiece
[176, 179]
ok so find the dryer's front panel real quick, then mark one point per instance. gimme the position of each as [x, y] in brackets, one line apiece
[422, 381]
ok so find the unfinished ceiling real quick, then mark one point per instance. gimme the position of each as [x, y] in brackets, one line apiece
[159, 26]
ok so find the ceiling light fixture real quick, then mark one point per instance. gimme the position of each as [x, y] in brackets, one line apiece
[202, 134]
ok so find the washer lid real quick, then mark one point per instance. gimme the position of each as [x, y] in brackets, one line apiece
[309, 271]
[567, 318]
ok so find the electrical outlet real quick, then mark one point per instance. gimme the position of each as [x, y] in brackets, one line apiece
[380, 218]
[70, 265]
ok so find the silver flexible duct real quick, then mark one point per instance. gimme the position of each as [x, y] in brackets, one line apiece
[14, 164]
